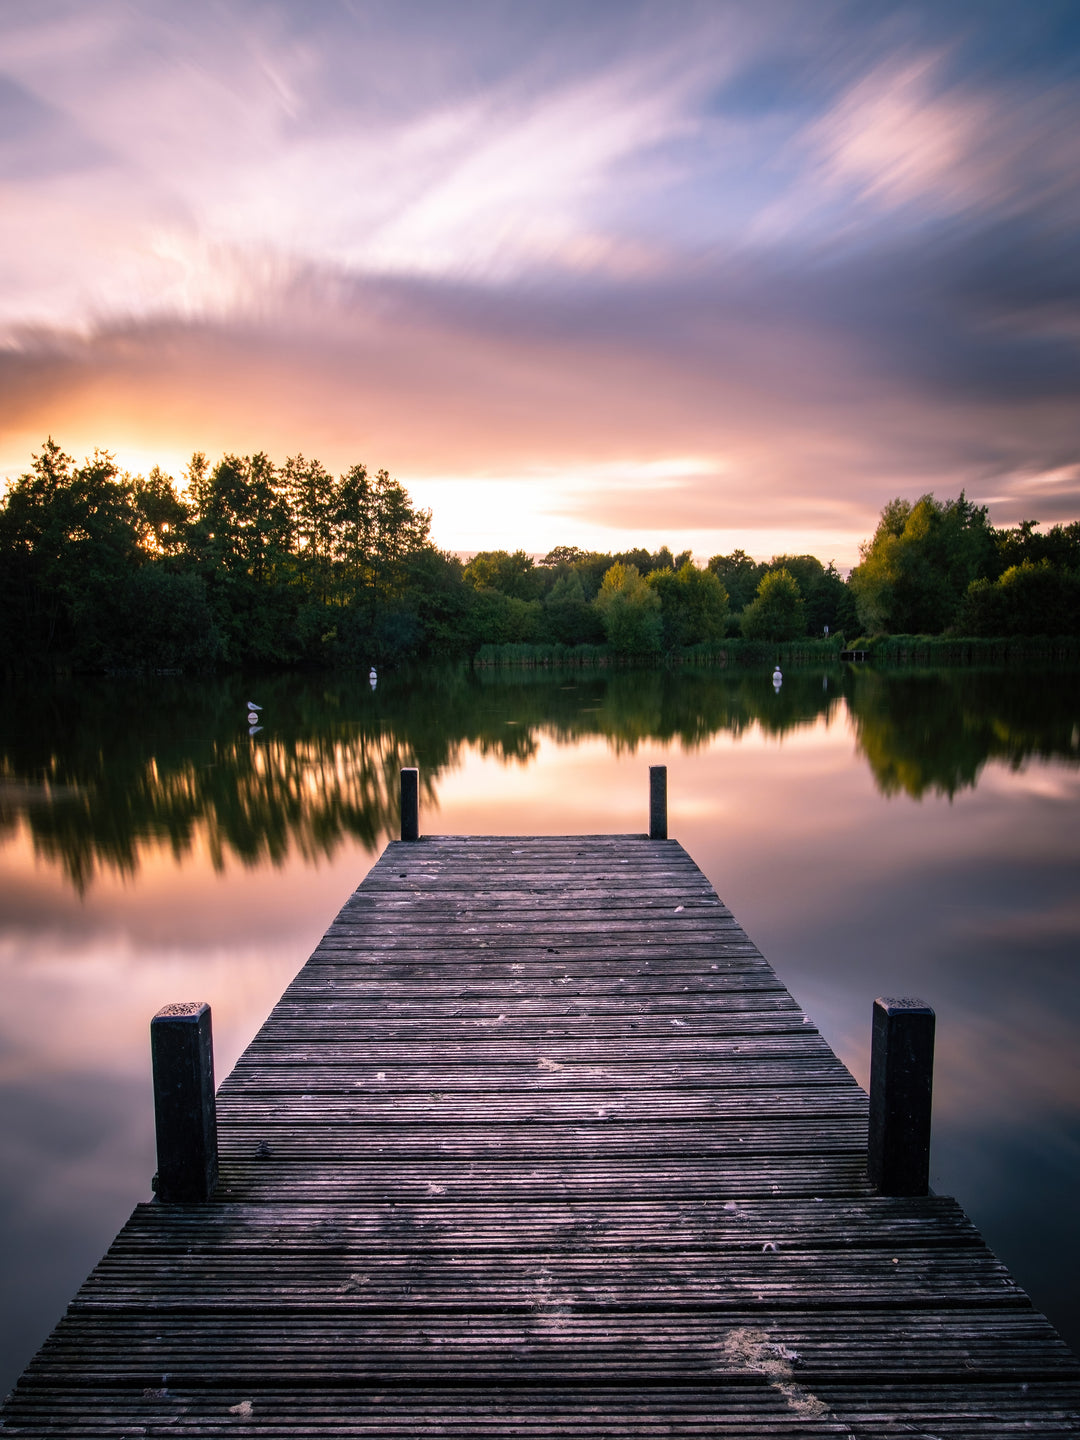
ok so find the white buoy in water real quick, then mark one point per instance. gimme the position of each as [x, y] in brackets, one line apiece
[372, 677]
[777, 678]
[253, 712]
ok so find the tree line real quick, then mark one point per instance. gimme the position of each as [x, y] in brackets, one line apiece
[253, 563]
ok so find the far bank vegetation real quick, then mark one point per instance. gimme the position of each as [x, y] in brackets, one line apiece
[249, 562]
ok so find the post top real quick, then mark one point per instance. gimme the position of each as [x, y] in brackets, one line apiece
[893, 1003]
[182, 1010]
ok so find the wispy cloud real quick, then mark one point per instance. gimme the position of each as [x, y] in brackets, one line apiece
[831, 263]
[896, 139]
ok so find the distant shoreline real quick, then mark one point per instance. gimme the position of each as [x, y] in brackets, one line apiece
[744, 654]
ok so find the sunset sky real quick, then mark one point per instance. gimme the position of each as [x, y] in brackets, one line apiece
[606, 274]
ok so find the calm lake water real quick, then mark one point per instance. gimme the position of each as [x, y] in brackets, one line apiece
[875, 834]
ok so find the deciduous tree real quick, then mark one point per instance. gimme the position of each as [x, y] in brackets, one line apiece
[694, 604]
[917, 568]
[778, 611]
[630, 611]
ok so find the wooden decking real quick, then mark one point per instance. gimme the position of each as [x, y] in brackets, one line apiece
[536, 1144]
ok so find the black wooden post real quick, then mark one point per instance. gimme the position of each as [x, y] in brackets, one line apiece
[410, 804]
[182, 1051]
[657, 802]
[901, 1082]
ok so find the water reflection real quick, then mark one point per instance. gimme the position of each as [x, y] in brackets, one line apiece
[935, 730]
[97, 770]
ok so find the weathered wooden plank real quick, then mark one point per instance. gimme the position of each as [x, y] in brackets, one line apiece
[442, 942]
[798, 1121]
[720, 1225]
[803, 1079]
[481, 987]
[675, 925]
[462, 1412]
[689, 1412]
[298, 1023]
[328, 965]
[555, 1341]
[490, 1047]
[297, 1171]
[339, 1005]
[354, 1277]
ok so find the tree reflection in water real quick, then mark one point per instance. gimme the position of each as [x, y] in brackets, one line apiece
[933, 731]
[98, 769]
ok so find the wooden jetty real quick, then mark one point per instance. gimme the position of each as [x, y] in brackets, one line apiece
[537, 1144]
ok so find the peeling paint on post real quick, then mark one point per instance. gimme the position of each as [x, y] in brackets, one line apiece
[182, 1052]
[410, 804]
[901, 1085]
[658, 802]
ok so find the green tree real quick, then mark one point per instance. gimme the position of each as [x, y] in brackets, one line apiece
[1059, 546]
[740, 577]
[400, 531]
[99, 568]
[645, 561]
[778, 612]
[1029, 599]
[163, 516]
[242, 516]
[514, 575]
[564, 555]
[693, 604]
[441, 601]
[377, 531]
[69, 540]
[169, 622]
[827, 599]
[571, 619]
[311, 499]
[630, 610]
[916, 570]
[240, 539]
[499, 619]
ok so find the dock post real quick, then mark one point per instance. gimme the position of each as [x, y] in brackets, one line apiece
[410, 804]
[182, 1052]
[657, 802]
[901, 1082]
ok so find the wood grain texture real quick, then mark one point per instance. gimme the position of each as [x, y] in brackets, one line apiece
[537, 1144]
